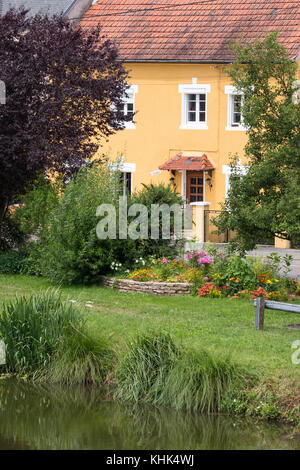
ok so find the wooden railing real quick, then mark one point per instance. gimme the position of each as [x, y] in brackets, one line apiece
[261, 304]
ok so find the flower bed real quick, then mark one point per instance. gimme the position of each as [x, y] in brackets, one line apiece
[212, 274]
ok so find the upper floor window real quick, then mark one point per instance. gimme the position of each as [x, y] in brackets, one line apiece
[194, 106]
[235, 103]
[129, 106]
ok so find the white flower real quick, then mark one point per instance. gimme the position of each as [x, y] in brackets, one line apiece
[127, 271]
[143, 262]
[136, 260]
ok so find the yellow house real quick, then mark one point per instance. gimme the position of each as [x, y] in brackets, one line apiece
[188, 121]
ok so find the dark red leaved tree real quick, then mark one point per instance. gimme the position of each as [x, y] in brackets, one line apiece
[64, 91]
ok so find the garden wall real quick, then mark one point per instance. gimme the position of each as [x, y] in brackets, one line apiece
[149, 287]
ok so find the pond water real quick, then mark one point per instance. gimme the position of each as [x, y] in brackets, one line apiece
[35, 417]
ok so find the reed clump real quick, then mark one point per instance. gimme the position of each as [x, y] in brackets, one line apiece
[46, 340]
[155, 370]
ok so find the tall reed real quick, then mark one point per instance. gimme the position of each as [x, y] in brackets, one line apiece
[32, 328]
[81, 359]
[156, 371]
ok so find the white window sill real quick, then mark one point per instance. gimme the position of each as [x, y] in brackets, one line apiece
[193, 128]
[238, 128]
[200, 203]
[129, 125]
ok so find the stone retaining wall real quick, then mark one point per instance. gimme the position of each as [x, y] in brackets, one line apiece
[149, 287]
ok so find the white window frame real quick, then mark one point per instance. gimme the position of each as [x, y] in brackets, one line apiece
[231, 91]
[123, 167]
[197, 89]
[296, 94]
[124, 185]
[227, 170]
[131, 91]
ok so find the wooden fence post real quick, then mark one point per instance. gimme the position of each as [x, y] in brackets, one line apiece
[260, 312]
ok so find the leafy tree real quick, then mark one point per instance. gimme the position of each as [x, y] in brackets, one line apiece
[64, 92]
[265, 201]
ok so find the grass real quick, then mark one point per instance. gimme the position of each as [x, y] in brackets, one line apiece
[157, 371]
[80, 360]
[214, 341]
[221, 326]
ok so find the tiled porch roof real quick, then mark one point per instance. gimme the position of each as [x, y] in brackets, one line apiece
[188, 162]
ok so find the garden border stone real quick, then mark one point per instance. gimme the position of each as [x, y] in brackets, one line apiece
[148, 287]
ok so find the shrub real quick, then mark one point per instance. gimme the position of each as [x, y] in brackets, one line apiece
[32, 328]
[71, 251]
[12, 262]
[37, 205]
[11, 236]
[158, 194]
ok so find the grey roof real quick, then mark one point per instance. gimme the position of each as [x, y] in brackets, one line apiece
[49, 7]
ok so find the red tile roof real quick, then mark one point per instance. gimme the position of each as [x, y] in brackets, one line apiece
[184, 162]
[192, 30]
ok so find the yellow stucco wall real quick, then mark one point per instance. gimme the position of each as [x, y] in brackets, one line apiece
[157, 136]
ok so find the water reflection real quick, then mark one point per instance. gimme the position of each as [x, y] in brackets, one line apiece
[58, 418]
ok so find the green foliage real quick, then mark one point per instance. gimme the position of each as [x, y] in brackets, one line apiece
[156, 371]
[70, 251]
[12, 262]
[63, 222]
[266, 200]
[141, 373]
[37, 205]
[158, 194]
[11, 236]
[32, 328]
[80, 359]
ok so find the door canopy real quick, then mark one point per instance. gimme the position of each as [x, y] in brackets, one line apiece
[188, 161]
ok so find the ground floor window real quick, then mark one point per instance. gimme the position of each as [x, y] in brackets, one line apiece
[126, 183]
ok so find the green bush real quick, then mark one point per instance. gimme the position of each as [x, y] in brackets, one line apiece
[12, 262]
[32, 328]
[158, 194]
[11, 236]
[71, 251]
[37, 205]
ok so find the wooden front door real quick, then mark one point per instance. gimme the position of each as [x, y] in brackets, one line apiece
[194, 186]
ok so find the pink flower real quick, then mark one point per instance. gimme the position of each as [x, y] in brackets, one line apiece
[164, 260]
[204, 260]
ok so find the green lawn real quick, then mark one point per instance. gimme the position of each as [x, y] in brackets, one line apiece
[224, 326]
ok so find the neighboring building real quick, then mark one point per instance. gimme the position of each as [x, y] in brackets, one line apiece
[69, 8]
[188, 119]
